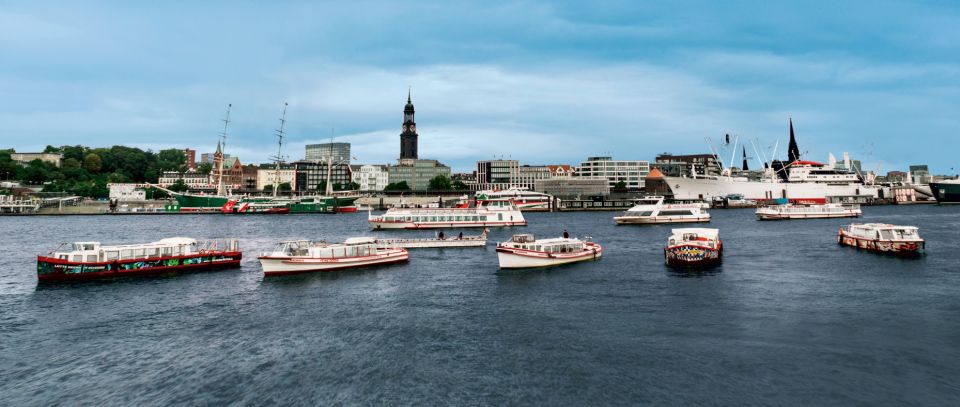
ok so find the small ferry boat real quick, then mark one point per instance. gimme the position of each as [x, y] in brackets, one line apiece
[652, 210]
[493, 213]
[881, 237]
[524, 251]
[304, 256]
[525, 199]
[437, 242]
[796, 211]
[691, 247]
[734, 201]
[91, 260]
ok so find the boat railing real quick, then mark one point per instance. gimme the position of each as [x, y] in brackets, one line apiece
[228, 245]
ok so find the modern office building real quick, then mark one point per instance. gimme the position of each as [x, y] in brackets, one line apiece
[573, 187]
[630, 173]
[339, 152]
[311, 176]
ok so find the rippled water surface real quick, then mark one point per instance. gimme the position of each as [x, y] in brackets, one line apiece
[789, 318]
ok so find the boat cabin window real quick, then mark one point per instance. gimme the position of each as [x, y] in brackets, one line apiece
[138, 252]
[83, 246]
[640, 213]
[886, 234]
[153, 252]
[126, 253]
[675, 213]
[112, 255]
[91, 257]
[63, 257]
[77, 257]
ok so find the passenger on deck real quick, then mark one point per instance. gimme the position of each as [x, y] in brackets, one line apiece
[566, 235]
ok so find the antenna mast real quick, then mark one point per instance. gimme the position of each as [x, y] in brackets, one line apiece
[278, 158]
[223, 147]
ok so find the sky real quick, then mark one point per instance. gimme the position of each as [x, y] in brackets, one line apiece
[540, 82]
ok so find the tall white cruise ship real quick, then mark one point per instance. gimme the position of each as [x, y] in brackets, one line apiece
[796, 180]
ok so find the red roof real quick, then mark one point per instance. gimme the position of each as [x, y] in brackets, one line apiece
[811, 163]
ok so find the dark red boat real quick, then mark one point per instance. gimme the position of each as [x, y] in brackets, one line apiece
[92, 261]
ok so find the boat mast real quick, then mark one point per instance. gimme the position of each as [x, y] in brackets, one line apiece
[329, 189]
[278, 157]
[223, 147]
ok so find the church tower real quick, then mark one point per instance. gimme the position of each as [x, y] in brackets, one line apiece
[408, 138]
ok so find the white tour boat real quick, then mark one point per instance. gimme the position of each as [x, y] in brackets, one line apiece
[794, 211]
[304, 256]
[524, 251]
[883, 238]
[493, 213]
[437, 242]
[525, 199]
[692, 247]
[653, 210]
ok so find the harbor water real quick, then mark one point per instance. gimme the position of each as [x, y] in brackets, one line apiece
[790, 317]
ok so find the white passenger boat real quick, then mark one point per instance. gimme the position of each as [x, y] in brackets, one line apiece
[437, 242]
[524, 251]
[693, 247]
[883, 238]
[525, 199]
[303, 256]
[653, 210]
[794, 211]
[493, 213]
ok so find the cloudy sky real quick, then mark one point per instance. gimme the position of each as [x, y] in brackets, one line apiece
[542, 82]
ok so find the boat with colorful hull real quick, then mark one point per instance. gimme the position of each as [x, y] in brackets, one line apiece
[524, 251]
[793, 211]
[304, 256]
[882, 238]
[91, 260]
[946, 191]
[693, 247]
[493, 213]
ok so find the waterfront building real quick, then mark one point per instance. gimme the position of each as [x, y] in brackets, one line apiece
[209, 158]
[191, 158]
[312, 175]
[920, 174]
[24, 158]
[503, 174]
[371, 177]
[655, 184]
[573, 187]
[126, 192]
[416, 172]
[896, 177]
[680, 165]
[194, 180]
[631, 173]
[232, 170]
[324, 151]
[270, 176]
[560, 171]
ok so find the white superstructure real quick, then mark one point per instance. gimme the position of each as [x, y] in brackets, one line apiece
[525, 251]
[653, 210]
[492, 213]
[792, 211]
[525, 199]
[301, 256]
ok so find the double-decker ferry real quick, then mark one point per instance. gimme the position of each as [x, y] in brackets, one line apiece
[489, 214]
[525, 199]
[91, 260]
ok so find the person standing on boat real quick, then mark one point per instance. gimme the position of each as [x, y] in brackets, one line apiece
[460, 236]
[440, 235]
[566, 235]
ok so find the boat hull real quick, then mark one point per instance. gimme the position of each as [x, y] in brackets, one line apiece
[783, 216]
[798, 192]
[650, 220]
[378, 224]
[511, 258]
[906, 249]
[280, 266]
[686, 255]
[945, 192]
[56, 270]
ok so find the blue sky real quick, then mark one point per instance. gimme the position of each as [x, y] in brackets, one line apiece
[542, 82]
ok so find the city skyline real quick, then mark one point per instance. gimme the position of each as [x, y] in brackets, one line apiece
[536, 82]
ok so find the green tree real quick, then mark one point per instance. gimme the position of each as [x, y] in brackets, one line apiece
[71, 164]
[77, 152]
[178, 186]
[620, 186]
[51, 149]
[460, 186]
[439, 183]
[398, 186]
[92, 163]
[284, 187]
[36, 172]
[205, 168]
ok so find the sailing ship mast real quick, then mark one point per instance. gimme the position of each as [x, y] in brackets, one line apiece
[278, 157]
[221, 191]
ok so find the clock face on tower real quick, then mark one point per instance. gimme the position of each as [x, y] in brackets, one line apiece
[413, 128]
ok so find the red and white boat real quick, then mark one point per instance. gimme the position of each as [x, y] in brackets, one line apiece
[492, 213]
[304, 256]
[693, 247]
[883, 238]
[792, 211]
[91, 260]
[524, 251]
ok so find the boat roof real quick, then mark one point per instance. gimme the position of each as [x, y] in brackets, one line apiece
[360, 240]
[706, 232]
[882, 226]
